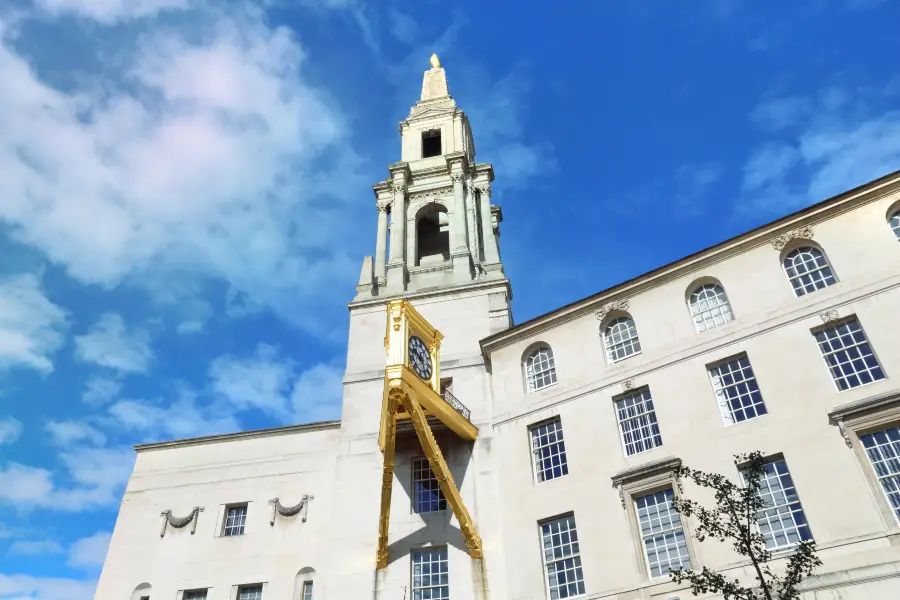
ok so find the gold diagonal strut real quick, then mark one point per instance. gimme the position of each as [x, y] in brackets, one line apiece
[387, 476]
[445, 479]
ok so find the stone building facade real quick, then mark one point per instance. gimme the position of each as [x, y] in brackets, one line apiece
[781, 339]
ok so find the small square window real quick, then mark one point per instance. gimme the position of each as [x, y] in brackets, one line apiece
[194, 595]
[548, 450]
[235, 520]
[430, 574]
[250, 592]
[431, 143]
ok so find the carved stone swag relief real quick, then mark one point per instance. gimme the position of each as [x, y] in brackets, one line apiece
[290, 511]
[620, 304]
[801, 233]
[180, 522]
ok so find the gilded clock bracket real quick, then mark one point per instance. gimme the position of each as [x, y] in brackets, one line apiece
[387, 476]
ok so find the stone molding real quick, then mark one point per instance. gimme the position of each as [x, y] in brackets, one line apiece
[230, 437]
[620, 304]
[383, 206]
[289, 511]
[457, 177]
[804, 232]
[644, 471]
[858, 408]
[829, 315]
[430, 194]
[180, 522]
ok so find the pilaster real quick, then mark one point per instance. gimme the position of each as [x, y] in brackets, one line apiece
[396, 267]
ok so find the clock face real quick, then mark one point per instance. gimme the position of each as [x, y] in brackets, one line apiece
[419, 358]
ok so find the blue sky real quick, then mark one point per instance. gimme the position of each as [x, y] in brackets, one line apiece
[185, 195]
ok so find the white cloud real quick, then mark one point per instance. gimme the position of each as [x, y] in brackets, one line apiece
[110, 344]
[35, 548]
[182, 418]
[200, 151]
[109, 11]
[25, 587]
[826, 143]
[90, 552]
[317, 394]
[10, 430]
[67, 433]
[32, 328]
[96, 477]
[100, 390]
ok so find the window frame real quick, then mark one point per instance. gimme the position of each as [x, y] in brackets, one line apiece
[183, 594]
[530, 353]
[804, 244]
[613, 320]
[531, 449]
[893, 222]
[412, 472]
[307, 587]
[652, 413]
[237, 589]
[702, 286]
[771, 459]
[726, 360]
[649, 478]
[226, 510]
[861, 417]
[412, 564]
[545, 563]
[834, 325]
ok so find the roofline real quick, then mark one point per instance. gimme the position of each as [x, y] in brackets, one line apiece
[228, 437]
[490, 343]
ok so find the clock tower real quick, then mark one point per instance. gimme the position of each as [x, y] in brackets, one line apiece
[434, 288]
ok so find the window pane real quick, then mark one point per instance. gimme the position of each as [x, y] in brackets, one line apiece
[736, 390]
[250, 592]
[637, 422]
[430, 575]
[307, 590]
[782, 523]
[665, 545]
[621, 339]
[549, 450]
[562, 560]
[710, 307]
[808, 270]
[427, 494]
[540, 369]
[235, 520]
[194, 595]
[895, 224]
[883, 450]
[848, 355]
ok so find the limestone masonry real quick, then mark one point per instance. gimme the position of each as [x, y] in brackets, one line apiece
[783, 339]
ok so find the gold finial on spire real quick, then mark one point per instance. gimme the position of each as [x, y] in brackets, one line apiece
[435, 62]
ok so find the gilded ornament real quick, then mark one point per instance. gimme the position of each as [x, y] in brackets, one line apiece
[435, 62]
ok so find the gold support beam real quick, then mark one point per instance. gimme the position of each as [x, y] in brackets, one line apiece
[442, 472]
[389, 436]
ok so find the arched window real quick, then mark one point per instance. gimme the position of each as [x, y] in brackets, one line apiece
[808, 270]
[540, 369]
[141, 592]
[709, 306]
[621, 339]
[432, 236]
[895, 224]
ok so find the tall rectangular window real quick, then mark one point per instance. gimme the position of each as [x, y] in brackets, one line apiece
[430, 574]
[883, 449]
[736, 389]
[194, 595]
[637, 422]
[562, 558]
[782, 522]
[250, 592]
[662, 533]
[427, 494]
[235, 519]
[307, 590]
[849, 356]
[548, 450]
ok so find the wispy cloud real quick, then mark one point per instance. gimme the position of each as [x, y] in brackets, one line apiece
[35, 547]
[110, 11]
[90, 552]
[99, 390]
[109, 343]
[10, 430]
[32, 327]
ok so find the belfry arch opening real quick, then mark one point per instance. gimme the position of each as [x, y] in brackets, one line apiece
[432, 236]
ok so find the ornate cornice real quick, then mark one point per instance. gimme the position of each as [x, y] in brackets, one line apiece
[290, 511]
[179, 522]
[620, 304]
[398, 187]
[430, 194]
[383, 207]
[457, 177]
[804, 232]
[485, 189]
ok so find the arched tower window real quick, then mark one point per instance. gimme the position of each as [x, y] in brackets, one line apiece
[709, 306]
[808, 270]
[894, 222]
[303, 584]
[432, 236]
[540, 369]
[142, 591]
[621, 338]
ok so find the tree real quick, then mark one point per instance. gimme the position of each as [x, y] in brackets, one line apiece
[734, 520]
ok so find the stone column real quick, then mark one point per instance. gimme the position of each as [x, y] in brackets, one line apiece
[380, 243]
[396, 268]
[472, 226]
[462, 263]
[491, 252]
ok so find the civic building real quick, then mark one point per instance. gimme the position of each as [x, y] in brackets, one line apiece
[476, 458]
